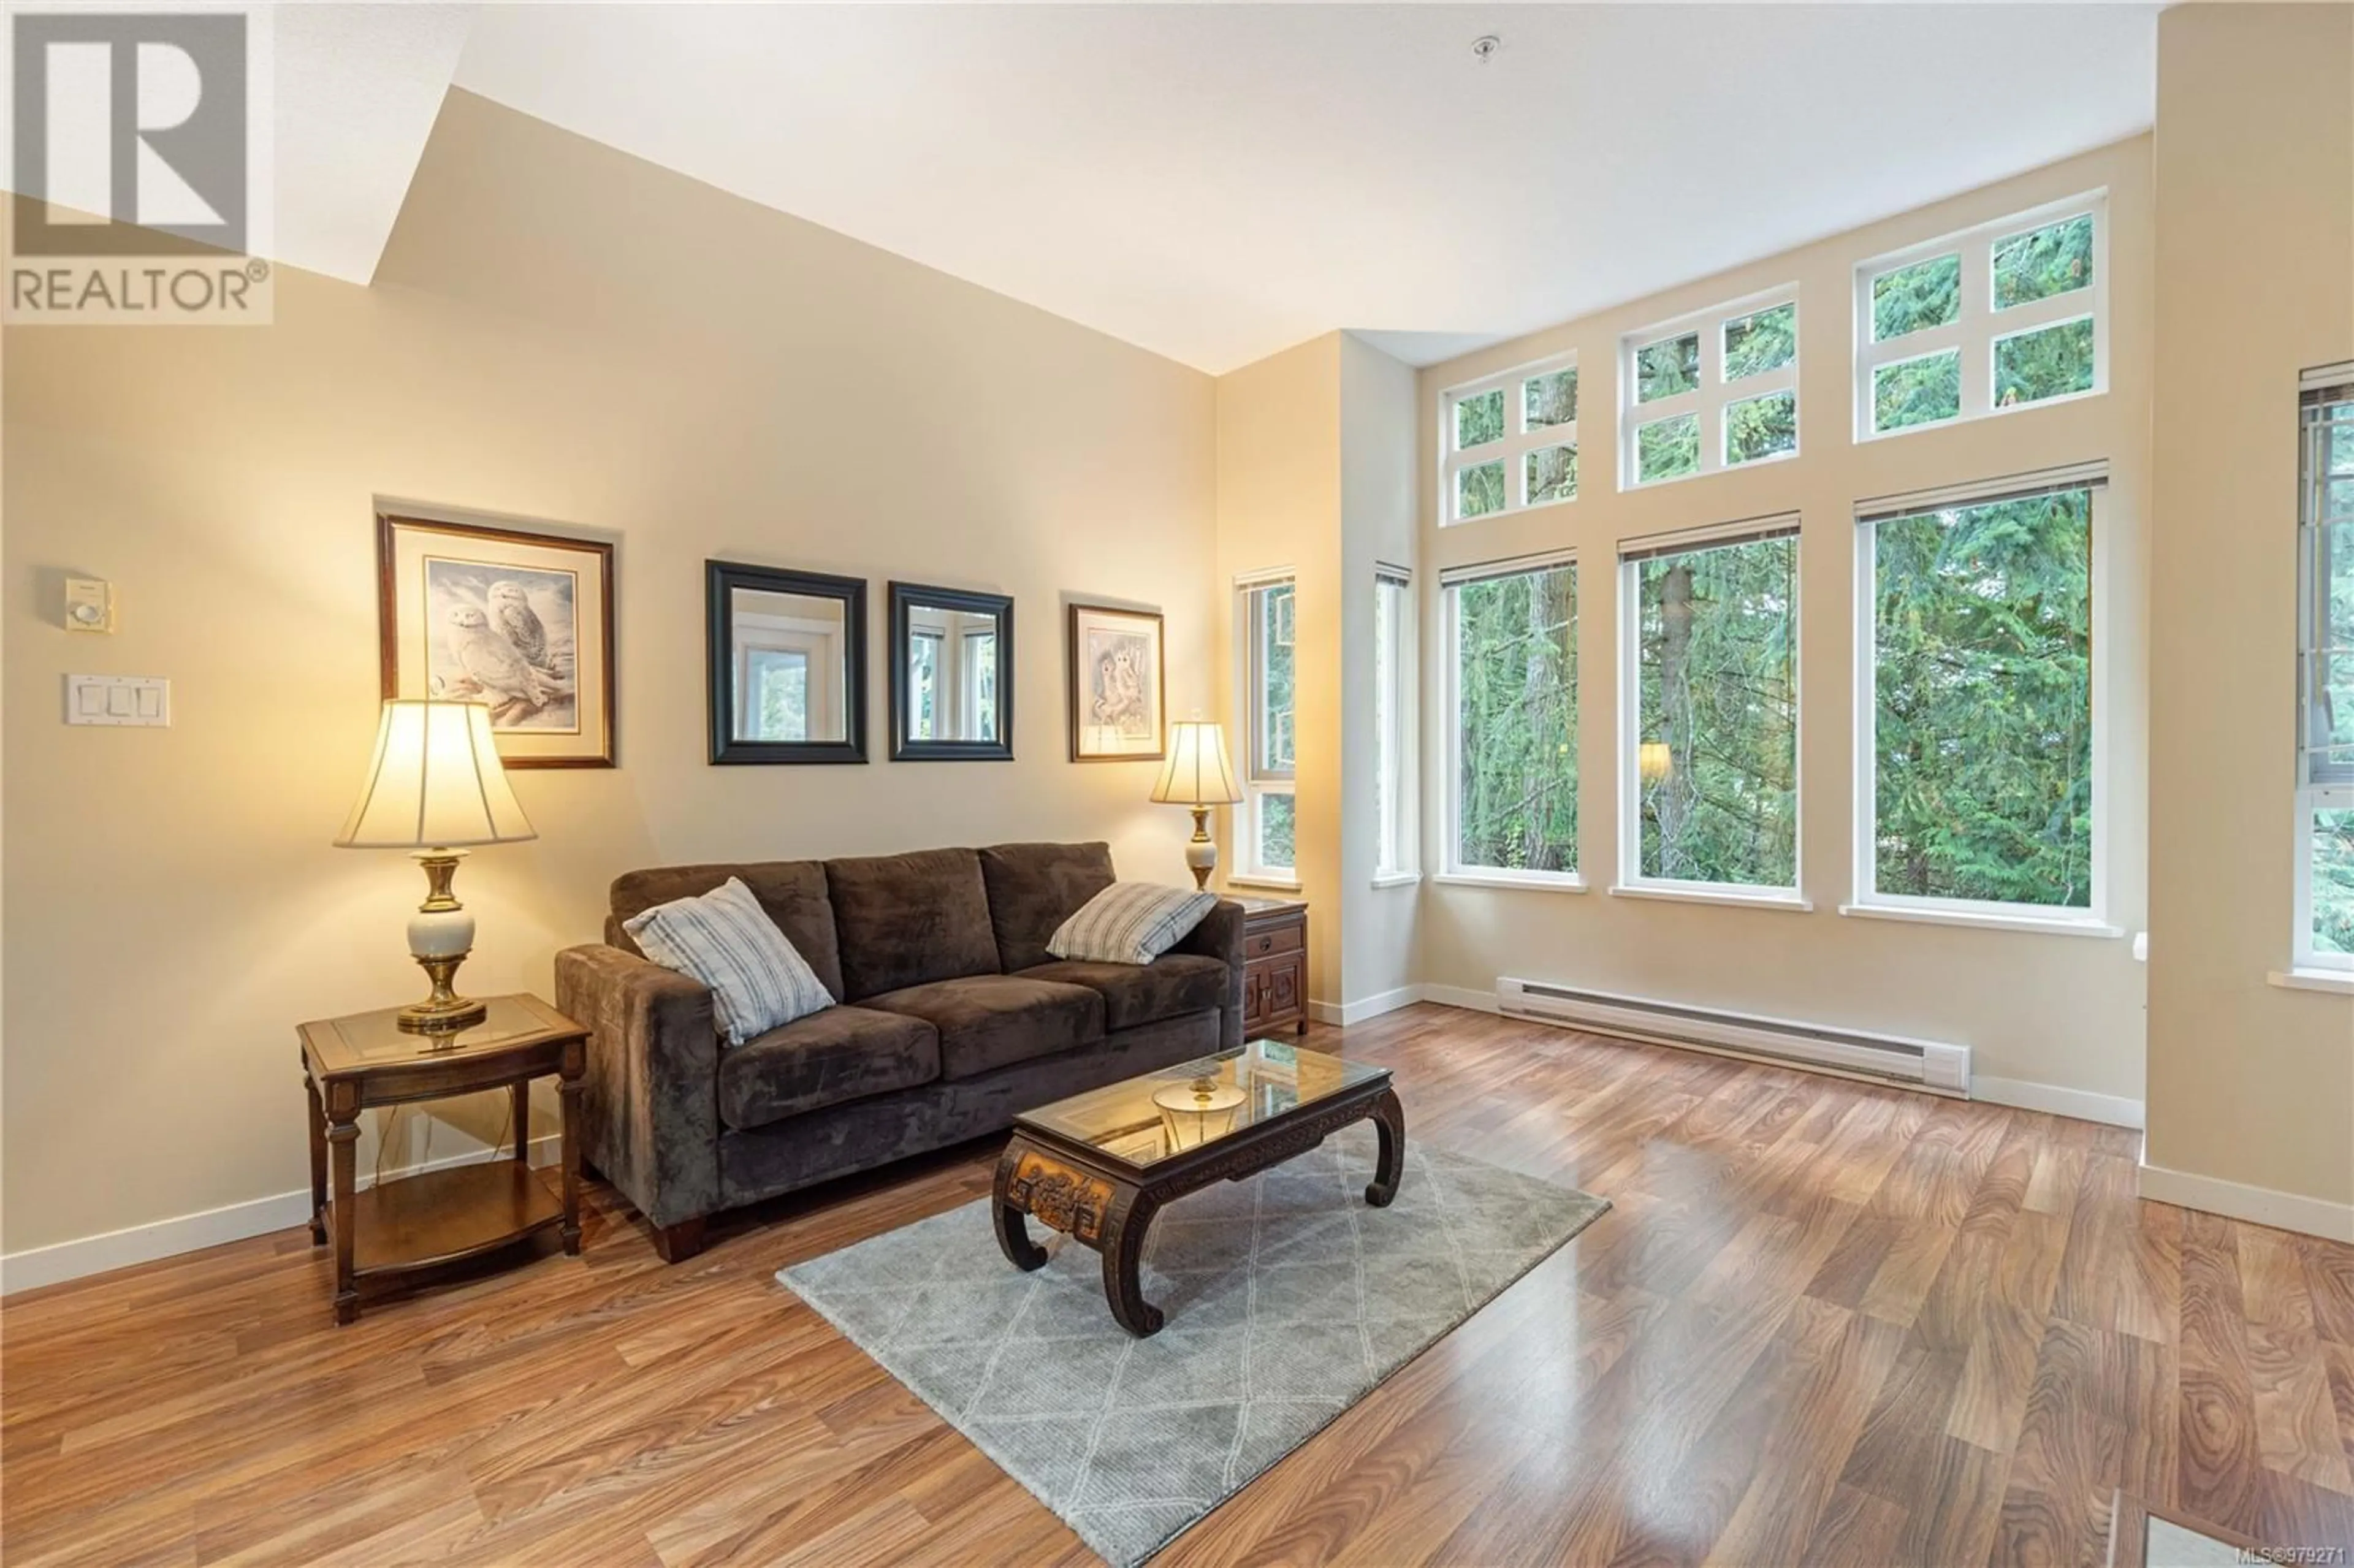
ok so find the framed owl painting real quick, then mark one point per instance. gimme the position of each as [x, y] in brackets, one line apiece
[523, 621]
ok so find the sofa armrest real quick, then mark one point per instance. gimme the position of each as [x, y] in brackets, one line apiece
[1220, 936]
[651, 1108]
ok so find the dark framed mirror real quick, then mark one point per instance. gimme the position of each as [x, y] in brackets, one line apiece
[788, 664]
[951, 655]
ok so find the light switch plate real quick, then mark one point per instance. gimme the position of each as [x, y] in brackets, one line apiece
[119, 700]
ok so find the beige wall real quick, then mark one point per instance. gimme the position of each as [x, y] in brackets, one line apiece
[2248, 1084]
[1278, 508]
[562, 334]
[2058, 1011]
[1317, 470]
[1379, 469]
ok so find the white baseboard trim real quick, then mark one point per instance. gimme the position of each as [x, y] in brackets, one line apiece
[2082, 1104]
[1457, 996]
[39, 1266]
[1371, 1006]
[2257, 1205]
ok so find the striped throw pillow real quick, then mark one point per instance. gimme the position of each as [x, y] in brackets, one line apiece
[726, 939]
[1131, 923]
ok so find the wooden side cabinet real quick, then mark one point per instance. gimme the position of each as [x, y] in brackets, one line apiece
[400, 1231]
[1275, 966]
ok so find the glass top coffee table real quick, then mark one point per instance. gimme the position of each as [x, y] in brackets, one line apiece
[1099, 1166]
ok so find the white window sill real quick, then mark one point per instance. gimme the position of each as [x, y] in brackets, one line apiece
[1399, 879]
[2339, 981]
[2042, 925]
[1273, 883]
[1533, 881]
[1732, 896]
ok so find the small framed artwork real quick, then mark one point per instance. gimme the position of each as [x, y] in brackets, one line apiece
[1116, 685]
[520, 622]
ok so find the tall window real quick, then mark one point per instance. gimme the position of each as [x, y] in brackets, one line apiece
[1393, 668]
[1512, 686]
[1710, 668]
[1510, 441]
[1267, 818]
[1711, 391]
[2007, 314]
[2325, 776]
[1975, 786]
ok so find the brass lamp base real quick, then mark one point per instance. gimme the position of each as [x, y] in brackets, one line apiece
[1202, 850]
[445, 1011]
[440, 935]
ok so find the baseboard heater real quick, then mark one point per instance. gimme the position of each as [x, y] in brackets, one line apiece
[1916, 1064]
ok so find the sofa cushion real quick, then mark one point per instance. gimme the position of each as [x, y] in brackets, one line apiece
[726, 939]
[910, 919]
[1169, 987]
[843, 1054]
[793, 892]
[988, 1021]
[1131, 923]
[1033, 888]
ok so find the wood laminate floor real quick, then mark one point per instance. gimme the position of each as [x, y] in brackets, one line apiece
[1825, 1324]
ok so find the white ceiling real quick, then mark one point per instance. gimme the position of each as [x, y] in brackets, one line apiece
[1218, 181]
[357, 88]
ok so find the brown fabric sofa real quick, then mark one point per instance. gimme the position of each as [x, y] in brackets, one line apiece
[955, 1017]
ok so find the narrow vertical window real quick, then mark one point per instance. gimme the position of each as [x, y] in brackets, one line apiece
[1266, 821]
[1512, 689]
[1975, 736]
[1711, 742]
[2325, 770]
[1394, 666]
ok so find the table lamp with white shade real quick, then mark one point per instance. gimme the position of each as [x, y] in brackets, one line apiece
[1198, 774]
[436, 788]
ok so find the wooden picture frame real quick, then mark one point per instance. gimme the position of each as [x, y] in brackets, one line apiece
[990, 711]
[517, 620]
[1118, 706]
[834, 664]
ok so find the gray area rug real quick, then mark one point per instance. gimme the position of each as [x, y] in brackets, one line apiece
[1287, 1299]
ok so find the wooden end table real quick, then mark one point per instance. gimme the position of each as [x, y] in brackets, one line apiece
[1099, 1166]
[417, 1224]
[1275, 966]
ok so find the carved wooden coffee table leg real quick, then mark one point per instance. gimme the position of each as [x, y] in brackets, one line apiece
[1013, 1235]
[1125, 1229]
[1389, 1120]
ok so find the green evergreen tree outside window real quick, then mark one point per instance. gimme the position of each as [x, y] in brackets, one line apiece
[1516, 685]
[1717, 671]
[1982, 664]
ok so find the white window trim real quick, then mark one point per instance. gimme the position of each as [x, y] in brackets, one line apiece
[2309, 964]
[1867, 900]
[1528, 881]
[1518, 439]
[1398, 684]
[1632, 882]
[2339, 981]
[1730, 892]
[1979, 326]
[1988, 917]
[1714, 393]
[1452, 870]
[1257, 785]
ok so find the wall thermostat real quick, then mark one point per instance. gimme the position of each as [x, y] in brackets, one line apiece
[90, 605]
